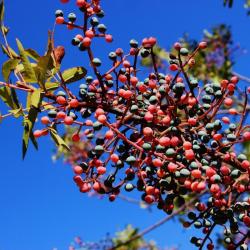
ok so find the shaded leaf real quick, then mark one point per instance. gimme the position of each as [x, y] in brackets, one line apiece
[8, 67]
[29, 75]
[6, 96]
[44, 65]
[32, 54]
[1, 11]
[74, 74]
[14, 97]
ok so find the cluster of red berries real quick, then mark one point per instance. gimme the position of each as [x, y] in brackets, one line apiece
[169, 136]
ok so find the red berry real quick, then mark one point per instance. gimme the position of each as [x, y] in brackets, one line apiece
[90, 34]
[86, 42]
[45, 120]
[101, 170]
[189, 154]
[164, 141]
[202, 45]
[76, 137]
[60, 115]
[102, 118]
[37, 133]
[157, 163]
[147, 131]
[68, 120]
[149, 199]
[78, 170]
[109, 38]
[246, 136]
[173, 67]
[61, 100]
[196, 173]
[59, 20]
[73, 103]
[114, 158]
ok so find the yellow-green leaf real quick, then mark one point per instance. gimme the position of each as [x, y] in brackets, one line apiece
[17, 112]
[29, 75]
[52, 85]
[9, 52]
[8, 67]
[36, 98]
[6, 96]
[74, 74]
[44, 65]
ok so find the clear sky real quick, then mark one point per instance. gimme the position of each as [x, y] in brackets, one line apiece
[40, 207]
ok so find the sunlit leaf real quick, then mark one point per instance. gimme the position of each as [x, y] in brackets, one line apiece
[52, 85]
[74, 74]
[36, 98]
[44, 65]
[29, 75]
[17, 112]
[6, 96]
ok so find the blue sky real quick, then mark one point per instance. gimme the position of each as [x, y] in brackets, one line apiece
[40, 207]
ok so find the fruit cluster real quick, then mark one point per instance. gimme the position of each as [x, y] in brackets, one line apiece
[169, 136]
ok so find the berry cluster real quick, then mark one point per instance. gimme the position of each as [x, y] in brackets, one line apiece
[170, 136]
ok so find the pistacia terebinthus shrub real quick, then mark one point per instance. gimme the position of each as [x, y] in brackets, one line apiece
[167, 135]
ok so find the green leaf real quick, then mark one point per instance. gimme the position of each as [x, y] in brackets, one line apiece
[44, 65]
[36, 97]
[1, 11]
[74, 74]
[8, 67]
[32, 54]
[58, 139]
[29, 75]
[33, 140]
[14, 97]
[6, 96]
[28, 128]
[52, 85]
